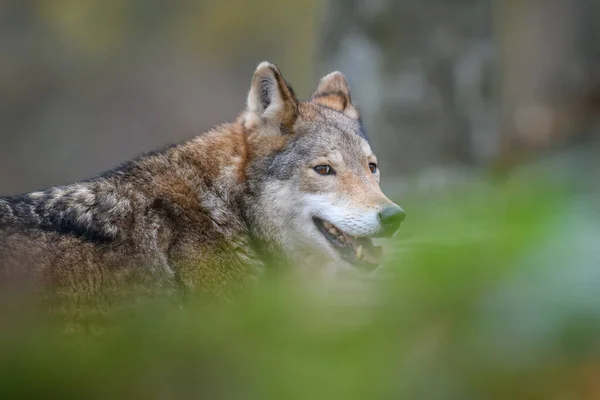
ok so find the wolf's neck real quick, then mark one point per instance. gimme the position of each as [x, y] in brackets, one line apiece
[211, 164]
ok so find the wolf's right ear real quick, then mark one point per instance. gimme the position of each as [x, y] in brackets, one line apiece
[271, 100]
[333, 92]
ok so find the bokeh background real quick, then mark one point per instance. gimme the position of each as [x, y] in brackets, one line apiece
[86, 85]
[484, 114]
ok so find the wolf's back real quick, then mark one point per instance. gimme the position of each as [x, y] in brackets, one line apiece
[81, 210]
[41, 230]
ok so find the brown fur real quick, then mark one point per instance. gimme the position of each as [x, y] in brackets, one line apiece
[164, 219]
[196, 215]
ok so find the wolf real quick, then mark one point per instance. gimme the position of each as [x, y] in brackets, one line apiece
[291, 182]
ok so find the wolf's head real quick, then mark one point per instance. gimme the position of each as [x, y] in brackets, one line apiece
[312, 174]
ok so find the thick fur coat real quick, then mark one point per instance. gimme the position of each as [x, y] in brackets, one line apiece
[210, 213]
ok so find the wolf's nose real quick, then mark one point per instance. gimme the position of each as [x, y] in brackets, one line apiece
[391, 217]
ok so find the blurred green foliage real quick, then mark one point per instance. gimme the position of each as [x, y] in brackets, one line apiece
[465, 309]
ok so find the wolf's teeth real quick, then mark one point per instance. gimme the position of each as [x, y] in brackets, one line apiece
[327, 225]
[342, 239]
[359, 252]
[333, 231]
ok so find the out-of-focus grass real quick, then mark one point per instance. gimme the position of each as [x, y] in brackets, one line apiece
[477, 304]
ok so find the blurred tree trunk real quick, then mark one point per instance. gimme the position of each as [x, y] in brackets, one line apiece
[422, 73]
[466, 81]
[549, 61]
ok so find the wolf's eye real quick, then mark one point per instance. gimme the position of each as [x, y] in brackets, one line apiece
[324, 170]
[373, 167]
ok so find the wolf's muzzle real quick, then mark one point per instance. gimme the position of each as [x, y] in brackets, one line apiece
[391, 218]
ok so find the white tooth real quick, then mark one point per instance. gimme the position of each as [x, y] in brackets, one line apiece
[359, 252]
[333, 231]
[341, 238]
[327, 225]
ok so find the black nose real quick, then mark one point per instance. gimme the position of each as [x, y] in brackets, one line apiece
[391, 217]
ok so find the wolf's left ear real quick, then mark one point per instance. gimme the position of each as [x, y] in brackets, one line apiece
[333, 92]
[270, 100]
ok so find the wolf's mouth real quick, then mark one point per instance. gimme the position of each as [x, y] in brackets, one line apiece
[358, 251]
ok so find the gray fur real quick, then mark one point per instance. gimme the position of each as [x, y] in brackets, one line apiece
[205, 215]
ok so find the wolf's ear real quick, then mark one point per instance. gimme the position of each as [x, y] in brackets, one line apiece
[333, 92]
[270, 100]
